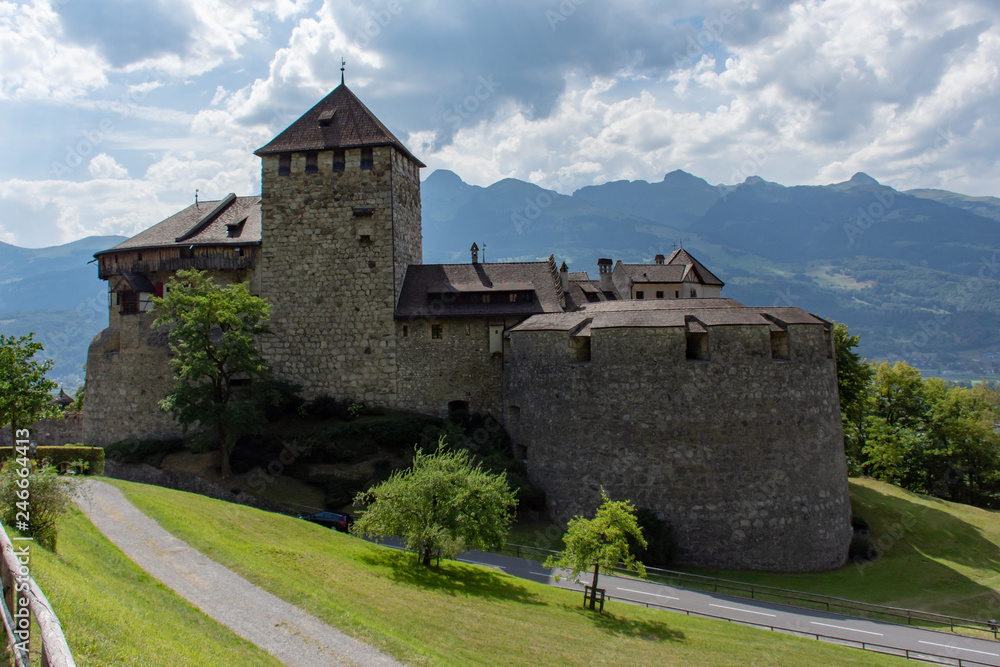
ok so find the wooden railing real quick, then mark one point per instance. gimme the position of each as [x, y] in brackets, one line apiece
[23, 601]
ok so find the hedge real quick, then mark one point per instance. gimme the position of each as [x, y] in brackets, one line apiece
[63, 457]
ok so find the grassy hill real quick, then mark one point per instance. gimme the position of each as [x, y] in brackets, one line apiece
[460, 614]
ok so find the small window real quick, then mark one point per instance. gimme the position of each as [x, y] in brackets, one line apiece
[187, 252]
[515, 413]
[406, 331]
[284, 164]
[239, 251]
[677, 294]
[779, 345]
[659, 294]
[521, 452]
[512, 297]
[338, 159]
[129, 303]
[138, 257]
[158, 290]
[367, 159]
[485, 298]
[694, 293]
[579, 349]
[312, 166]
[640, 294]
[437, 331]
[697, 346]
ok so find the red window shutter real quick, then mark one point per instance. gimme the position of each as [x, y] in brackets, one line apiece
[158, 290]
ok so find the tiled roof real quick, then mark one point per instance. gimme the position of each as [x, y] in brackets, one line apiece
[655, 273]
[676, 268]
[208, 223]
[339, 120]
[692, 314]
[577, 294]
[424, 279]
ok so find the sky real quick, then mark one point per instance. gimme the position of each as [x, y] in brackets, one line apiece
[113, 112]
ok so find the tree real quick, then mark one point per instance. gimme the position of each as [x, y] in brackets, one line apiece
[25, 393]
[216, 358]
[854, 378]
[441, 505]
[601, 541]
[36, 491]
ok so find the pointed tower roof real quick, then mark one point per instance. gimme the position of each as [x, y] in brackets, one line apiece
[339, 120]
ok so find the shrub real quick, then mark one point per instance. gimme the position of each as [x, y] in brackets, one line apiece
[326, 407]
[68, 458]
[136, 450]
[863, 548]
[277, 399]
[46, 493]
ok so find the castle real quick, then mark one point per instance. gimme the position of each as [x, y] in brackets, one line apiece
[646, 381]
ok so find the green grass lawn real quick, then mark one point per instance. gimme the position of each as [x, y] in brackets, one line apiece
[459, 614]
[113, 613]
[939, 556]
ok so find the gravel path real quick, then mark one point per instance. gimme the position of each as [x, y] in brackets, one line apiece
[281, 629]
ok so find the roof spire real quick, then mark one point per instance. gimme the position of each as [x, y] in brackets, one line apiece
[342, 63]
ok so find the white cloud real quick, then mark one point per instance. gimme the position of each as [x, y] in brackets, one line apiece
[37, 63]
[104, 166]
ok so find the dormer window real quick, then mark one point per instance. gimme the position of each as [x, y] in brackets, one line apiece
[338, 159]
[367, 159]
[234, 230]
[284, 164]
[312, 165]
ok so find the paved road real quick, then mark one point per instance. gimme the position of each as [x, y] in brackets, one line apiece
[842, 629]
[283, 630]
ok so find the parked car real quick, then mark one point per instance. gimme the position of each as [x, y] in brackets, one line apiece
[338, 520]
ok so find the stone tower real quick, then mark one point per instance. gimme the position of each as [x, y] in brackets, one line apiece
[340, 224]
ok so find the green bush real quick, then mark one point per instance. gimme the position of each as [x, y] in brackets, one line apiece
[863, 548]
[137, 450]
[352, 442]
[46, 493]
[67, 458]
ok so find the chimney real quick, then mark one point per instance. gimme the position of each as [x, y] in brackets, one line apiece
[604, 268]
[564, 276]
[659, 259]
[475, 253]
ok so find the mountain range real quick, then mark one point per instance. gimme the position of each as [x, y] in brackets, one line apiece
[914, 273]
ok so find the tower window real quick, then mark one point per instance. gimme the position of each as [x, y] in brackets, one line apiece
[697, 346]
[579, 349]
[640, 294]
[779, 345]
[284, 164]
[437, 331]
[312, 165]
[406, 331]
[677, 294]
[367, 159]
[694, 293]
[659, 294]
[338, 159]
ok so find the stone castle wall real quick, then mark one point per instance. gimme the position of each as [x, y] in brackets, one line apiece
[329, 270]
[457, 367]
[742, 454]
[55, 432]
[128, 372]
